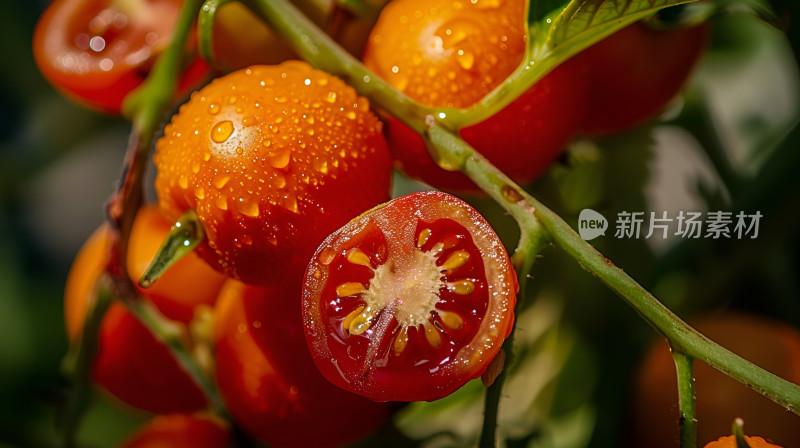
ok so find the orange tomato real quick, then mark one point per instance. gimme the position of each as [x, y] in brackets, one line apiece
[730, 442]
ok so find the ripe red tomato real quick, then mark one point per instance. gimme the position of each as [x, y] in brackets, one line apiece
[96, 51]
[730, 442]
[268, 380]
[130, 363]
[273, 159]
[181, 431]
[410, 300]
[627, 85]
[447, 53]
[772, 345]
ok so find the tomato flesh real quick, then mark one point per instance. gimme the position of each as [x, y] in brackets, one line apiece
[409, 301]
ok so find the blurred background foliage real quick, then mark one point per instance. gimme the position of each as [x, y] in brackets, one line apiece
[731, 143]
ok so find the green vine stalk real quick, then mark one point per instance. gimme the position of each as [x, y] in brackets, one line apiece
[684, 367]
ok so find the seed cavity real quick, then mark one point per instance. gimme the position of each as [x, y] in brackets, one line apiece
[400, 341]
[456, 260]
[461, 287]
[432, 335]
[357, 256]
[423, 237]
[349, 289]
[451, 320]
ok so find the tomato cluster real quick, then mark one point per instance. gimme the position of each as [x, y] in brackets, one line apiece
[327, 299]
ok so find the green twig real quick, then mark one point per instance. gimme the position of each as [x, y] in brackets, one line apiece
[170, 334]
[205, 29]
[77, 365]
[686, 399]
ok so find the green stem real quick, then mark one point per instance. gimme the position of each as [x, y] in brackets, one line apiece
[169, 333]
[738, 434]
[181, 239]
[77, 365]
[686, 399]
[205, 29]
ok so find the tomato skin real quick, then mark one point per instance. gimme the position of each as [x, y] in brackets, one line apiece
[181, 431]
[363, 361]
[96, 51]
[272, 158]
[730, 442]
[627, 85]
[268, 380]
[423, 55]
[130, 363]
[773, 345]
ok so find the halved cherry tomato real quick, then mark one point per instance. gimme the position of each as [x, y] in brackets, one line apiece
[96, 51]
[268, 380]
[130, 363]
[181, 431]
[410, 300]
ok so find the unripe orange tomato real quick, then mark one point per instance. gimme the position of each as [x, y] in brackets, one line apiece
[130, 363]
[773, 345]
[272, 159]
[445, 53]
[181, 431]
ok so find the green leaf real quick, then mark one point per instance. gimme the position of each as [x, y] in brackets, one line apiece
[540, 10]
[584, 22]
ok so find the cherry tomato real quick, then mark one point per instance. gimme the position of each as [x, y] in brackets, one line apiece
[452, 54]
[273, 159]
[181, 431]
[627, 85]
[772, 345]
[730, 442]
[130, 363]
[268, 380]
[410, 300]
[96, 51]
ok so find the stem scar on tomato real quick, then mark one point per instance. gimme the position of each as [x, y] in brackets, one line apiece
[410, 300]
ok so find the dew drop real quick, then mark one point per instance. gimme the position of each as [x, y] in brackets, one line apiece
[465, 59]
[221, 181]
[200, 193]
[183, 182]
[279, 158]
[221, 203]
[249, 208]
[213, 109]
[221, 131]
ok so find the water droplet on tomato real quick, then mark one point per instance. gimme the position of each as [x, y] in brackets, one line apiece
[465, 59]
[221, 131]
[279, 158]
[213, 109]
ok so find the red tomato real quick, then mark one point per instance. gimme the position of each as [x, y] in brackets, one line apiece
[181, 431]
[772, 345]
[130, 363]
[96, 51]
[446, 53]
[268, 380]
[635, 72]
[410, 300]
